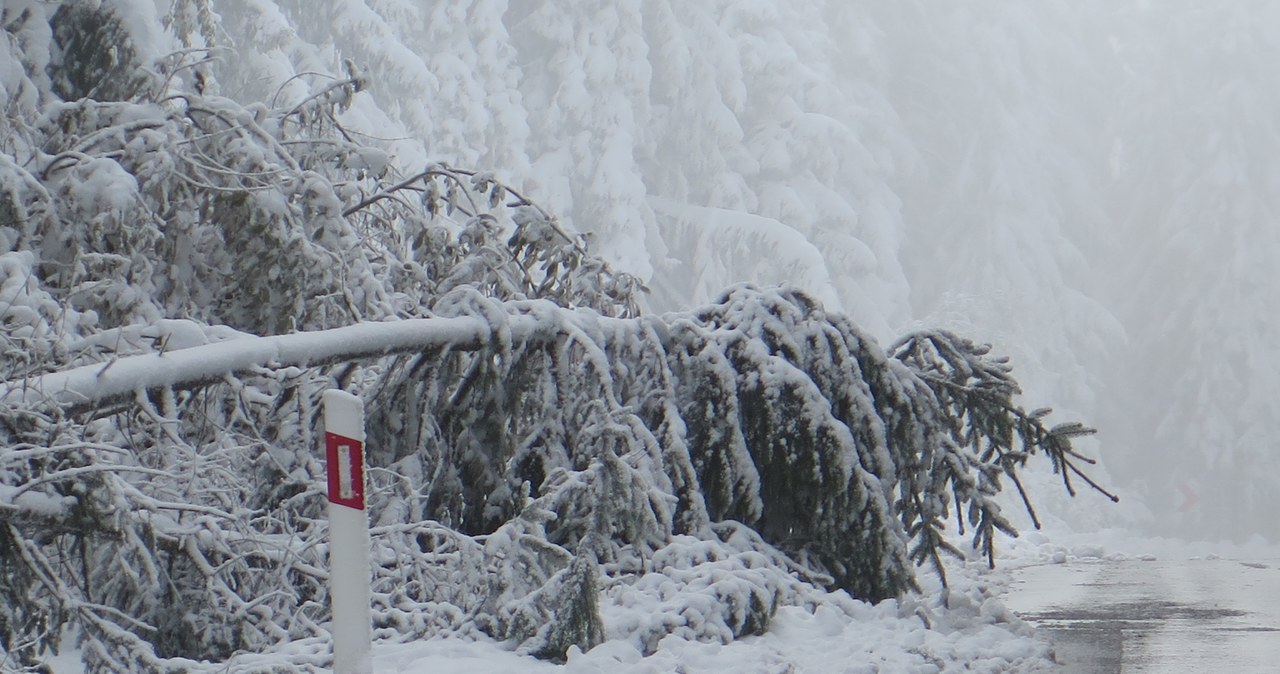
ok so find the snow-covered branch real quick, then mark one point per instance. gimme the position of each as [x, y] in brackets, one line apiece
[90, 385]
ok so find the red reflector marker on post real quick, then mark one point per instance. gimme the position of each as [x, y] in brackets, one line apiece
[344, 457]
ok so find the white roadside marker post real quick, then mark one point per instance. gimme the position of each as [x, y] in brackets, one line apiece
[349, 566]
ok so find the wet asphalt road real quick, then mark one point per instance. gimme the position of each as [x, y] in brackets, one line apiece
[1167, 617]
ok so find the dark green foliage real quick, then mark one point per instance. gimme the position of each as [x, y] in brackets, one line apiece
[975, 398]
[574, 619]
[97, 57]
[24, 612]
[708, 396]
[756, 617]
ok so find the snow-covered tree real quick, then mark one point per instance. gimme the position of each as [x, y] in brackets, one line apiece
[540, 436]
[183, 275]
[613, 116]
[770, 158]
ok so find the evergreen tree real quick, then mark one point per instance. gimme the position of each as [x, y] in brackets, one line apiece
[756, 114]
[184, 275]
[612, 115]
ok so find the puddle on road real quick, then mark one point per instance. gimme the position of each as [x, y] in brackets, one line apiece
[1246, 629]
[1093, 640]
[1133, 612]
[1112, 619]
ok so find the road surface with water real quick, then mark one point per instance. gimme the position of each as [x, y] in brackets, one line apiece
[1158, 616]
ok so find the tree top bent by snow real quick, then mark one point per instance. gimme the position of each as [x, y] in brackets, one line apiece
[184, 276]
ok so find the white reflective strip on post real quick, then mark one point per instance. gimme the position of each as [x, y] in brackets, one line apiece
[344, 472]
[349, 566]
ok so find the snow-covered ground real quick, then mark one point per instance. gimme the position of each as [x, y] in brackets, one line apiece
[983, 630]
[984, 633]
[978, 634]
[915, 635]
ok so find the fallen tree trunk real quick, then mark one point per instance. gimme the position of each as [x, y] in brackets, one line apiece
[88, 386]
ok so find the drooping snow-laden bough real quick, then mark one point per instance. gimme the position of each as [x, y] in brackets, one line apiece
[513, 474]
[545, 447]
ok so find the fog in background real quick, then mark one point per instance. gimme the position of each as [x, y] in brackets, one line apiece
[1089, 185]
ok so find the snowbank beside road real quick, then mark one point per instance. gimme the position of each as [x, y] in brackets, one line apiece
[977, 634]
